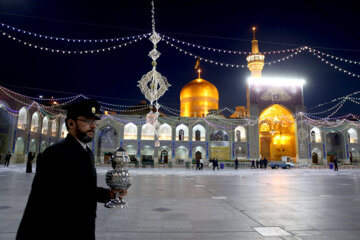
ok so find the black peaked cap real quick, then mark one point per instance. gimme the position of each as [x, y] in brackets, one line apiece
[87, 108]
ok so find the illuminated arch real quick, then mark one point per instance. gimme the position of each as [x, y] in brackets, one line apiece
[53, 128]
[352, 136]
[19, 146]
[64, 131]
[198, 133]
[165, 132]
[33, 145]
[43, 146]
[315, 135]
[35, 122]
[147, 132]
[277, 133]
[45, 126]
[23, 118]
[182, 133]
[181, 153]
[240, 134]
[130, 131]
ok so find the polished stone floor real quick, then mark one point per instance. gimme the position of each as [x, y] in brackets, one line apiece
[226, 204]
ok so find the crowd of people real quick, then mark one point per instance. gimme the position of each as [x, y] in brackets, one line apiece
[262, 163]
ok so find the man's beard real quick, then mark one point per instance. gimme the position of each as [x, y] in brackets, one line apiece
[82, 136]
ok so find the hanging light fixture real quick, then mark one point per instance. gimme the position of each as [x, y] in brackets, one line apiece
[153, 85]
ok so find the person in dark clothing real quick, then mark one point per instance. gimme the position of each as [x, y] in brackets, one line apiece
[62, 203]
[197, 164]
[252, 164]
[261, 163]
[7, 159]
[38, 161]
[236, 163]
[257, 163]
[215, 164]
[336, 164]
[31, 157]
[265, 162]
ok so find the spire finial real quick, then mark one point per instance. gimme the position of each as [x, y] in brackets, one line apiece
[199, 71]
[254, 28]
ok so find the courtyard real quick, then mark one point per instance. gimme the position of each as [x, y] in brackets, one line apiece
[181, 203]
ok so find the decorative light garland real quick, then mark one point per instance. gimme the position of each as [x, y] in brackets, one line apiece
[335, 57]
[222, 64]
[224, 50]
[125, 110]
[65, 39]
[62, 51]
[333, 65]
[116, 105]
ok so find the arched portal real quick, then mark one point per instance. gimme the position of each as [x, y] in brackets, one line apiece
[277, 133]
[335, 146]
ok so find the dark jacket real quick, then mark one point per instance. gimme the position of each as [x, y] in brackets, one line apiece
[64, 195]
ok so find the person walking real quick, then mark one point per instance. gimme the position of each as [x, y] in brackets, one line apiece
[31, 157]
[261, 163]
[252, 164]
[215, 164]
[62, 202]
[257, 163]
[201, 164]
[336, 164]
[236, 163]
[265, 162]
[197, 164]
[7, 159]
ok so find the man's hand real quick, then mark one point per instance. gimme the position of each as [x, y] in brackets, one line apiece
[113, 192]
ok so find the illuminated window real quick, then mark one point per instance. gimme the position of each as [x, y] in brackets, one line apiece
[23, 119]
[45, 126]
[352, 136]
[315, 135]
[64, 131]
[182, 133]
[147, 132]
[35, 122]
[240, 134]
[130, 131]
[165, 132]
[53, 128]
[19, 146]
[198, 133]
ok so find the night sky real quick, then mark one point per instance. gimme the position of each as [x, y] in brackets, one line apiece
[112, 76]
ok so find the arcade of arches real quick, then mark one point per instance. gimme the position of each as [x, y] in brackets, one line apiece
[277, 133]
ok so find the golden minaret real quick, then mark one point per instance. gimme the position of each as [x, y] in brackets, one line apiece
[255, 59]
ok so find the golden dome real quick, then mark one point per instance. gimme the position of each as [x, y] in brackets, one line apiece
[197, 98]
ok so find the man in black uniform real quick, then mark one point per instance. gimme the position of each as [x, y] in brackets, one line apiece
[62, 203]
[7, 159]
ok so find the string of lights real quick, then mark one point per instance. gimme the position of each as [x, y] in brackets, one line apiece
[122, 106]
[125, 110]
[63, 51]
[333, 65]
[328, 110]
[55, 106]
[65, 39]
[222, 64]
[336, 58]
[337, 99]
[41, 98]
[224, 50]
